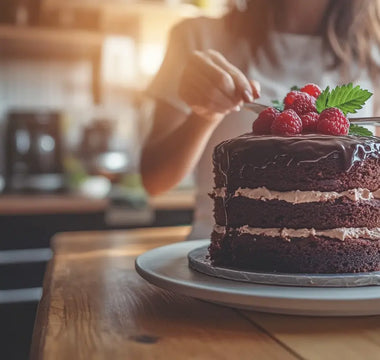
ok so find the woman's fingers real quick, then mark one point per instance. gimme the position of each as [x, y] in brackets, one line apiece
[247, 91]
[256, 88]
[211, 85]
[202, 105]
[200, 91]
[221, 79]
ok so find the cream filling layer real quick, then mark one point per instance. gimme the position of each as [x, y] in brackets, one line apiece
[287, 234]
[299, 197]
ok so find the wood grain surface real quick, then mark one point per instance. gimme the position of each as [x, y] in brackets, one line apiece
[95, 306]
[324, 338]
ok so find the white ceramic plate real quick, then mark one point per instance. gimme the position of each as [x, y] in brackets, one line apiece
[167, 267]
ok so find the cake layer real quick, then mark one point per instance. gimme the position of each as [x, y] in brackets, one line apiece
[296, 196]
[308, 162]
[288, 234]
[300, 255]
[342, 212]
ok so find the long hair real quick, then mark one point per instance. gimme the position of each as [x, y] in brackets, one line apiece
[350, 28]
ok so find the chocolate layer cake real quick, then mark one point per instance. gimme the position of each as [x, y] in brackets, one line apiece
[307, 203]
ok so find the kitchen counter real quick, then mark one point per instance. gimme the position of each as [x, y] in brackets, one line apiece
[62, 203]
[49, 204]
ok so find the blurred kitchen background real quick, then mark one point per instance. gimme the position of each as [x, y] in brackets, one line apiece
[72, 120]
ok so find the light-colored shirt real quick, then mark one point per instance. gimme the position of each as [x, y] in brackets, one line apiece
[300, 60]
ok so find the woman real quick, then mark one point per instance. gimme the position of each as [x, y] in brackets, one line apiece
[261, 46]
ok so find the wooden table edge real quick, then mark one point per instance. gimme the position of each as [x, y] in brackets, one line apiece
[39, 329]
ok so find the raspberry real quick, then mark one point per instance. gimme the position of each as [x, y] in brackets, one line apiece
[290, 97]
[309, 121]
[288, 123]
[332, 121]
[303, 104]
[261, 126]
[312, 89]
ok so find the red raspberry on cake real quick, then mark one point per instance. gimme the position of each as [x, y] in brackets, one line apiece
[309, 122]
[303, 104]
[290, 97]
[263, 123]
[287, 123]
[332, 121]
[312, 89]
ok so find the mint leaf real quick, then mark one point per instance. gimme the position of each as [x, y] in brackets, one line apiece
[295, 88]
[348, 98]
[322, 100]
[278, 105]
[359, 130]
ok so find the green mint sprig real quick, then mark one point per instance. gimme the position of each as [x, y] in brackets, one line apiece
[278, 105]
[322, 100]
[359, 130]
[347, 98]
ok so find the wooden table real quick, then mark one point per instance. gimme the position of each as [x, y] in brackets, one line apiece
[95, 306]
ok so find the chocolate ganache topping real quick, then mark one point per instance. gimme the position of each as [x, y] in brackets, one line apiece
[261, 151]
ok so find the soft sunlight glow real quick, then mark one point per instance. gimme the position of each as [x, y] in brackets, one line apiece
[119, 60]
[151, 56]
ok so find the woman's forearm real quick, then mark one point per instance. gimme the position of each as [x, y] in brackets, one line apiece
[166, 162]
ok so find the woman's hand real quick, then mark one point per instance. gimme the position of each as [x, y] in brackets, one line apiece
[213, 87]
